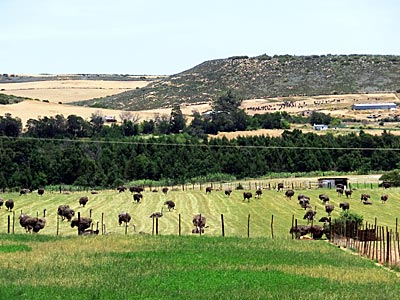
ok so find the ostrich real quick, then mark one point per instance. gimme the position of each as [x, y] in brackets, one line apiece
[165, 190]
[170, 204]
[121, 189]
[289, 194]
[348, 193]
[247, 195]
[384, 198]
[156, 215]
[339, 190]
[124, 217]
[83, 201]
[386, 185]
[280, 186]
[329, 208]
[365, 197]
[258, 193]
[199, 221]
[137, 197]
[82, 224]
[324, 198]
[10, 204]
[310, 215]
[208, 190]
[228, 192]
[344, 205]
[41, 191]
[65, 212]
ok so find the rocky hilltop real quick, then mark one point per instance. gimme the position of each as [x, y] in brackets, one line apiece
[264, 76]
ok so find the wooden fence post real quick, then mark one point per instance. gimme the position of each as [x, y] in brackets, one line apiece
[222, 225]
[248, 226]
[13, 223]
[58, 224]
[179, 224]
[272, 226]
[8, 224]
[102, 223]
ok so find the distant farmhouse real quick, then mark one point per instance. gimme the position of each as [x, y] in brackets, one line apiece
[320, 127]
[366, 106]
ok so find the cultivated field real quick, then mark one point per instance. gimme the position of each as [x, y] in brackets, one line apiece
[108, 204]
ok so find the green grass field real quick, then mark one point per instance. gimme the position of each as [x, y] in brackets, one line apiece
[188, 203]
[187, 267]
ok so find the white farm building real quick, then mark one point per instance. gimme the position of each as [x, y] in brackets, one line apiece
[367, 106]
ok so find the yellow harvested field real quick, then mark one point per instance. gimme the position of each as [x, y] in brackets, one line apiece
[69, 90]
[33, 109]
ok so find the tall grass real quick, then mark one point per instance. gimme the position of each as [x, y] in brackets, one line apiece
[187, 267]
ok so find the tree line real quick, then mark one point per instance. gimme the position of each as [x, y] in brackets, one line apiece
[181, 158]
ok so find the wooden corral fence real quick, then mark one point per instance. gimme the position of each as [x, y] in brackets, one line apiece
[378, 243]
[12, 221]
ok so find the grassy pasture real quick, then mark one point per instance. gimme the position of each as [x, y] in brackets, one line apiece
[188, 203]
[189, 267]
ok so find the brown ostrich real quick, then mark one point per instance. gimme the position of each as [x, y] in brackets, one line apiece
[137, 197]
[324, 198]
[83, 201]
[9, 204]
[165, 190]
[384, 198]
[170, 204]
[258, 193]
[124, 217]
[247, 196]
[329, 209]
[344, 205]
[289, 194]
[82, 223]
[41, 191]
[280, 186]
[65, 212]
[199, 221]
[348, 193]
[208, 190]
[228, 192]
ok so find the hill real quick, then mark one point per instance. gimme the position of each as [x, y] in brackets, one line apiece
[263, 77]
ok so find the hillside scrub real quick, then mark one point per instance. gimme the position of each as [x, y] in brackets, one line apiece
[262, 77]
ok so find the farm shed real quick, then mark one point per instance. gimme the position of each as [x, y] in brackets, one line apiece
[366, 106]
[332, 182]
[320, 127]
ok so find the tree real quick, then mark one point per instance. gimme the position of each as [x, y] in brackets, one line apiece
[10, 126]
[177, 121]
[97, 121]
[319, 118]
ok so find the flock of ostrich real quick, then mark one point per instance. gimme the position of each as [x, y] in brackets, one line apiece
[35, 224]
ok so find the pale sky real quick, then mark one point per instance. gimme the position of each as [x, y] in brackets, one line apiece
[164, 37]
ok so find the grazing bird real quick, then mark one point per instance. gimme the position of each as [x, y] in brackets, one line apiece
[199, 221]
[384, 198]
[165, 190]
[124, 217]
[289, 194]
[156, 215]
[170, 204]
[339, 191]
[137, 197]
[348, 193]
[310, 215]
[10, 204]
[41, 191]
[344, 205]
[324, 198]
[258, 193]
[365, 197]
[329, 209]
[228, 192]
[83, 201]
[82, 224]
[280, 186]
[65, 212]
[208, 190]
[247, 196]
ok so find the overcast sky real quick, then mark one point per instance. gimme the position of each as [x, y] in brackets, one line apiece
[164, 37]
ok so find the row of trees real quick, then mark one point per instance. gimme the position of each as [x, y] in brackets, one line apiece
[181, 158]
[226, 115]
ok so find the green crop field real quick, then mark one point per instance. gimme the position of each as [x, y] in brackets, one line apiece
[106, 205]
[187, 267]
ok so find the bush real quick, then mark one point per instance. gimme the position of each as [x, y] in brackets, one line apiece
[393, 177]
